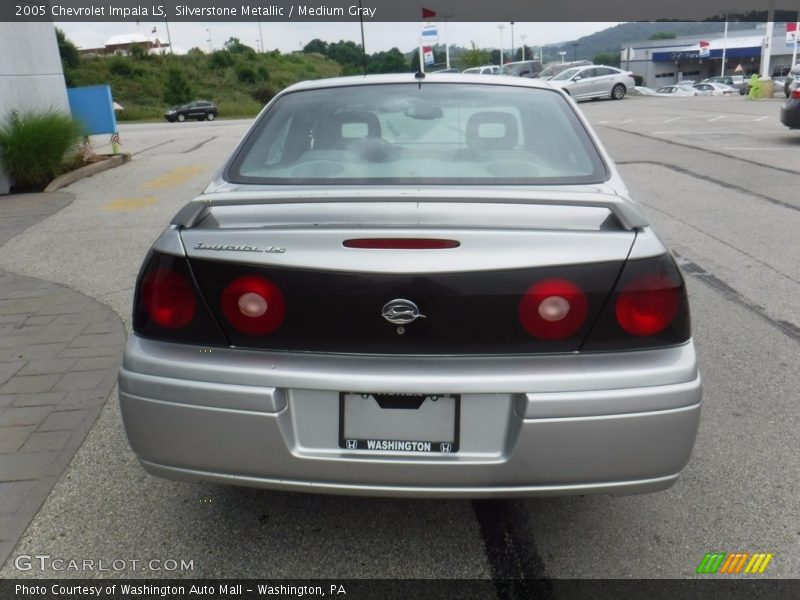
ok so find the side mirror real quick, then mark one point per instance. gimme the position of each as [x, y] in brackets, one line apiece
[577, 78]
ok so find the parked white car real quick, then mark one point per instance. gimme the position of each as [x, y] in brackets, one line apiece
[715, 89]
[594, 81]
[675, 91]
[484, 70]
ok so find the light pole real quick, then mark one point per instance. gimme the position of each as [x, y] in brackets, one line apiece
[513, 56]
[575, 50]
[563, 54]
[258, 45]
[523, 36]
[501, 27]
[260, 35]
[210, 45]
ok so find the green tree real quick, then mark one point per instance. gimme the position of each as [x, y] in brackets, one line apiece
[316, 45]
[607, 58]
[663, 35]
[392, 61]
[475, 57]
[345, 53]
[235, 46]
[177, 89]
[70, 57]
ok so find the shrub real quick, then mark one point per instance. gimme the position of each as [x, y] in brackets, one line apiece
[220, 59]
[245, 74]
[120, 66]
[263, 93]
[177, 89]
[34, 146]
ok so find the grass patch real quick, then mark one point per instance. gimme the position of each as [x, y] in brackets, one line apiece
[36, 147]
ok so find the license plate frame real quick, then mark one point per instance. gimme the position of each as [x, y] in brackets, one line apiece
[360, 443]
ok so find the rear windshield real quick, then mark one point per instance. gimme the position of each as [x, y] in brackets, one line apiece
[433, 133]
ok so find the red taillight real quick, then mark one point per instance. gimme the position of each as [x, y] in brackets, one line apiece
[648, 304]
[168, 297]
[553, 309]
[253, 305]
[401, 243]
[796, 94]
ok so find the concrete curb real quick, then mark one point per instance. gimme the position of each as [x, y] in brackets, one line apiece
[114, 160]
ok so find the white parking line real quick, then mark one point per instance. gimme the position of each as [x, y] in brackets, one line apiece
[760, 119]
[753, 149]
[673, 119]
[719, 118]
[627, 121]
[698, 132]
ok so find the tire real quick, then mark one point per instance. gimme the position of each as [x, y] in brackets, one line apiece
[181, 118]
[211, 116]
[618, 92]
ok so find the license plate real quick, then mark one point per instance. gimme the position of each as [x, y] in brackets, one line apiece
[420, 423]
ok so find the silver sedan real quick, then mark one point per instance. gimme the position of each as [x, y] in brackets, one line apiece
[595, 81]
[410, 285]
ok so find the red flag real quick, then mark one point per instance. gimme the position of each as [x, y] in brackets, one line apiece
[427, 13]
[790, 27]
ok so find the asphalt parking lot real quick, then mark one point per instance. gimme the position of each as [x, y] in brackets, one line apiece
[719, 177]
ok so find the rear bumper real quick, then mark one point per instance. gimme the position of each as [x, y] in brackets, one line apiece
[551, 425]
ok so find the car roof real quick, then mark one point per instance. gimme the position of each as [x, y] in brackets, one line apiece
[335, 82]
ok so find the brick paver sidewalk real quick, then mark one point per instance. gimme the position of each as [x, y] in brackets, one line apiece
[59, 354]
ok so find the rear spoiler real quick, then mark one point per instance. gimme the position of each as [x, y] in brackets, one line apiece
[626, 211]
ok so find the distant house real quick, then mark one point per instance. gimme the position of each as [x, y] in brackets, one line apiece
[121, 45]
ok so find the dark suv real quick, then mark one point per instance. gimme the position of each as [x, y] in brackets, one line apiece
[523, 68]
[201, 110]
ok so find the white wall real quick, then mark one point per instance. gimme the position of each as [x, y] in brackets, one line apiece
[31, 76]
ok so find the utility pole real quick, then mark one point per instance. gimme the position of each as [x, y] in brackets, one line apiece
[260, 35]
[501, 27]
[513, 55]
[523, 36]
[210, 45]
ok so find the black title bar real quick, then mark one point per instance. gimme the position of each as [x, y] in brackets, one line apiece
[393, 10]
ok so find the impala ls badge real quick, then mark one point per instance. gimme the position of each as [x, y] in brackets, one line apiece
[401, 312]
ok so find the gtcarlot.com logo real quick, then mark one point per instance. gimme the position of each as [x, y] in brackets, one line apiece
[734, 563]
[45, 562]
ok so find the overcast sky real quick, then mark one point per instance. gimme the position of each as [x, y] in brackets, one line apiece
[287, 37]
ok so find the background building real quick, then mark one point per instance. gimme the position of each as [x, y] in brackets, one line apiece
[664, 62]
[31, 75]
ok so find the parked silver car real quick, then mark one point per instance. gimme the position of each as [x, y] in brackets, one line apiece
[414, 286]
[595, 81]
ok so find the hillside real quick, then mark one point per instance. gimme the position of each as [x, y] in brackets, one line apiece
[238, 82]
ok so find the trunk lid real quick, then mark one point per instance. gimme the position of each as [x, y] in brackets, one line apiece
[468, 297]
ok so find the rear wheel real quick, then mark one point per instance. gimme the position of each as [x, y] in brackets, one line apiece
[181, 118]
[618, 92]
[211, 116]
